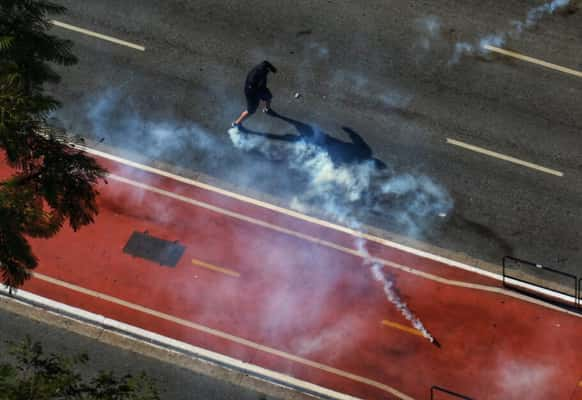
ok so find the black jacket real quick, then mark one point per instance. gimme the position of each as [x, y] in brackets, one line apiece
[257, 77]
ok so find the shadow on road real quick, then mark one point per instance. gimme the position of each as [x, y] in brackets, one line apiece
[340, 152]
[484, 234]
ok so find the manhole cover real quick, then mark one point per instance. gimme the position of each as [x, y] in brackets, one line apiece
[154, 249]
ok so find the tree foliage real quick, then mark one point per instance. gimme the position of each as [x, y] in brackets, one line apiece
[52, 183]
[36, 376]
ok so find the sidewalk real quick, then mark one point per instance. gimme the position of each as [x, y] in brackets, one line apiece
[173, 381]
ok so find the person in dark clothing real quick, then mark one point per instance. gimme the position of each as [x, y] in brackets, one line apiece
[256, 90]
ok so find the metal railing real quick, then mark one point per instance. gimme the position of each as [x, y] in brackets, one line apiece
[557, 286]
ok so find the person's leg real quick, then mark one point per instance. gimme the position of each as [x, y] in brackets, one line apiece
[252, 105]
[267, 96]
[241, 118]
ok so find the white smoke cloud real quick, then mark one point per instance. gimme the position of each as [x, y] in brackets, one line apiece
[430, 29]
[517, 377]
[116, 120]
[431, 33]
[327, 341]
[537, 13]
[314, 56]
[348, 191]
[533, 17]
[338, 190]
[344, 191]
[357, 85]
[321, 50]
[428, 199]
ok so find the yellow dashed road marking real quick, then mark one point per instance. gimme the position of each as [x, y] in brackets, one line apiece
[211, 267]
[406, 329]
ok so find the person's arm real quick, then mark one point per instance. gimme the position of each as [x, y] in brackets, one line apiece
[271, 67]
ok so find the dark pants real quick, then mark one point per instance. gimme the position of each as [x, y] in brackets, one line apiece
[254, 97]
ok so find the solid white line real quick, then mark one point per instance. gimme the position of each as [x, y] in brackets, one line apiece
[353, 252]
[222, 359]
[504, 157]
[532, 60]
[97, 35]
[339, 228]
[546, 292]
[291, 213]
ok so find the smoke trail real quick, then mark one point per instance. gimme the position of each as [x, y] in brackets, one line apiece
[429, 29]
[338, 189]
[533, 17]
[356, 85]
[389, 290]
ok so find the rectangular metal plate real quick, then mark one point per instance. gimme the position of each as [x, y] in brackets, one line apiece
[154, 249]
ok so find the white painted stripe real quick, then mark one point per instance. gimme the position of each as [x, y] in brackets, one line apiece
[344, 229]
[291, 213]
[98, 35]
[536, 61]
[354, 252]
[172, 343]
[214, 332]
[546, 292]
[504, 157]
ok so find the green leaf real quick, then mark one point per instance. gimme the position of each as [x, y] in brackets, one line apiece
[52, 183]
[6, 42]
[32, 374]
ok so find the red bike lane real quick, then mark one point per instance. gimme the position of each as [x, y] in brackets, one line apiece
[295, 297]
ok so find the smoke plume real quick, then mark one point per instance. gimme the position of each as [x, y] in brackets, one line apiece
[340, 190]
[345, 191]
[431, 32]
[533, 17]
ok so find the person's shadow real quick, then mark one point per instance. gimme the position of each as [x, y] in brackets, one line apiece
[340, 152]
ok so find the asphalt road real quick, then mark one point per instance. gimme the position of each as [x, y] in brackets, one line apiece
[375, 67]
[171, 381]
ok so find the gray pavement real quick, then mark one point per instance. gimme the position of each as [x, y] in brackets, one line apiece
[172, 381]
[372, 66]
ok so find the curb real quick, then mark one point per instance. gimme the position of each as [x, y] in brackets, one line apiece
[163, 349]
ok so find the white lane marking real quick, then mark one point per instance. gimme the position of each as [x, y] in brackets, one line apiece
[356, 253]
[504, 157]
[223, 335]
[149, 337]
[97, 35]
[344, 229]
[291, 213]
[532, 60]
